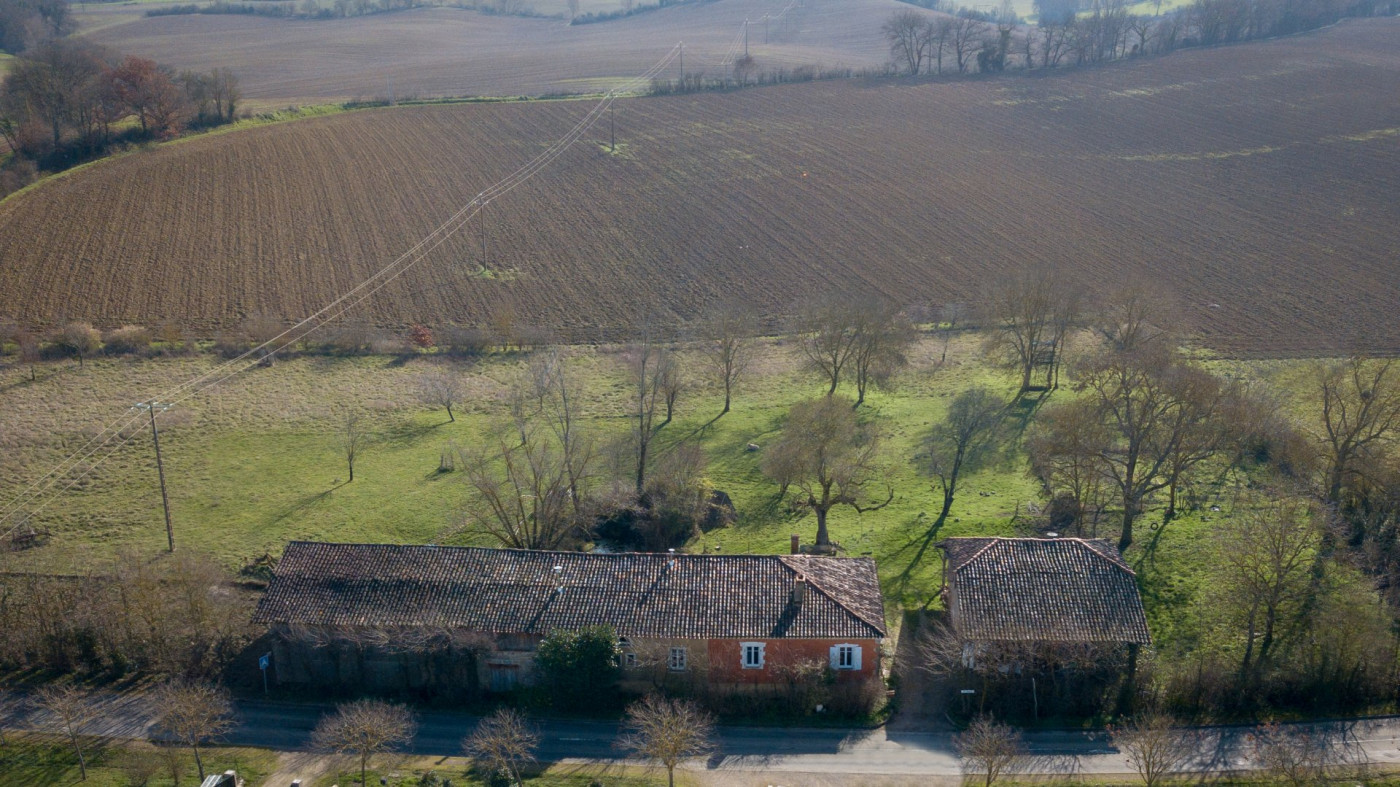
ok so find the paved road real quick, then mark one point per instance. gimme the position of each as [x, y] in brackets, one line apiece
[287, 726]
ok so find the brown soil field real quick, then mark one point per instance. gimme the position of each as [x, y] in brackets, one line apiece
[454, 52]
[1258, 181]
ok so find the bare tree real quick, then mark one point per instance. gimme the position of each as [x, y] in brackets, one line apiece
[883, 338]
[554, 400]
[364, 728]
[829, 457]
[1265, 570]
[1064, 448]
[1150, 405]
[1301, 755]
[1033, 310]
[1155, 747]
[352, 438]
[906, 32]
[967, 37]
[441, 388]
[650, 370]
[1136, 316]
[69, 708]
[668, 731]
[80, 339]
[962, 441]
[729, 347]
[194, 713]
[503, 743]
[826, 332]
[1360, 413]
[522, 492]
[990, 748]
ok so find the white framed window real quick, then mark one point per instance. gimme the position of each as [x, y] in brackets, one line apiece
[629, 660]
[753, 656]
[845, 657]
[676, 661]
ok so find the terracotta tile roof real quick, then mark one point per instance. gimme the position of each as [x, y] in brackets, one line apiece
[515, 591]
[1043, 589]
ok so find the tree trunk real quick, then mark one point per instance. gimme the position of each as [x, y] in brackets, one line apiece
[450, 417]
[823, 538]
[198, 762]
[351, 463]
[364, 769]
[835, 378]
[727, 388]
[1126, 539]
[78, 747]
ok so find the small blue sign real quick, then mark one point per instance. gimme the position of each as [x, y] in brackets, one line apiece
[264, 661]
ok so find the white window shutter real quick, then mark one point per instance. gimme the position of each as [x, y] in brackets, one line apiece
[855, 657]
[835, 657]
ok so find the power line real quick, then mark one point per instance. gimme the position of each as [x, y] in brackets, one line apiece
[331, 311]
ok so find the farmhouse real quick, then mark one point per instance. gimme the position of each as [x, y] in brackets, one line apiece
[1042, 590]
[447, 619]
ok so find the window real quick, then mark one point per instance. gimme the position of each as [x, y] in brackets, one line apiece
[629, 660]
[753, 654]
[676, 663]
[845, 657]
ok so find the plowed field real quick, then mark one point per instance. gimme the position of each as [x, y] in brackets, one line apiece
[1258, 181]
[446, 51]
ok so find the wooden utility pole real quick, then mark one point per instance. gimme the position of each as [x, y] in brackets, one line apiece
[746, 38]
[483, 235]
[151, 407]
[612, 134]
[682, 65]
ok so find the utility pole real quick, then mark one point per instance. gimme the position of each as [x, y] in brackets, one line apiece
[483, 235]
[612, 134]
[746, 38]
[151, 407]
[682, 65]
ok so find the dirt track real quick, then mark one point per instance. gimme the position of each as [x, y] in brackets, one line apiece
[1258, 181]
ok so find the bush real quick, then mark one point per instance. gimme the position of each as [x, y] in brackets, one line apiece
[579, 667]
[464, 340]
[127, 340]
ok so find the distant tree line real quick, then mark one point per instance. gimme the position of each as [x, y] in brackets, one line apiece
[1076, 33]
[305, 9]
[24, 23]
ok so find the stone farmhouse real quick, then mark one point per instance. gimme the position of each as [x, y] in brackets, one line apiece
[442, 619]
[1041, 592]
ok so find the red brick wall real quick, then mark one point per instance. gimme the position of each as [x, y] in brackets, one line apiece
[725, 657]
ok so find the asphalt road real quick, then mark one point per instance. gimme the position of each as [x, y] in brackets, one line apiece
[287, 726]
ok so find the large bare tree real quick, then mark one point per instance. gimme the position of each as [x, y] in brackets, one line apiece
[1360, 414]
[1033, 311]
[194, 714]
[522, 492]
[364, 728]
[651, 371]
[1160, 419]
[864, 338]
[668, 731]
[829, 457]
[907, 33]
[883, 338]
[1265, 572]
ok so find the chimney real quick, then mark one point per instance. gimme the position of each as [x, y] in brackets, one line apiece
[799, 590]
[796, 544]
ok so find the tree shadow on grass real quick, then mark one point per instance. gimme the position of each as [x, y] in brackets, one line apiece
[305, 503]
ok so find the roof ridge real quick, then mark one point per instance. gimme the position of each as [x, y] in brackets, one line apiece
[880, 626]
[991, 542]
[613, 555]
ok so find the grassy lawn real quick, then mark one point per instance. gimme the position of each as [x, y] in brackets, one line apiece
[39, 763]
[255, 463]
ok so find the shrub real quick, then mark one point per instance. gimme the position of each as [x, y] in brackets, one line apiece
[464, 340]
[127, 340]
[579, 667]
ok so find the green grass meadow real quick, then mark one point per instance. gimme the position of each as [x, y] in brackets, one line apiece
[255, 463]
